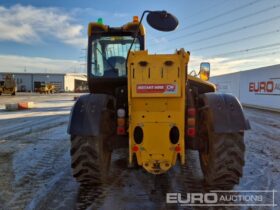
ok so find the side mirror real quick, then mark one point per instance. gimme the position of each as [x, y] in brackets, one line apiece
[162, 20]
[204, 72]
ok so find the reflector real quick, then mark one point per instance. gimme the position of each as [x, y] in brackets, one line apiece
[135, 148]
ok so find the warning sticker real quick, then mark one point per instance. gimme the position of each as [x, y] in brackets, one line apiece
[157, 88]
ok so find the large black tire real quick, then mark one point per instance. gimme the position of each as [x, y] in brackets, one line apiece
[222, 159]
[90, 159]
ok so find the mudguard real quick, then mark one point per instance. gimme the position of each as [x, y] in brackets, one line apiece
[86, 115]
[225, 112]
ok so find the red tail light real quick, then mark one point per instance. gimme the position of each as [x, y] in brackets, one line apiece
[178, 148]
[121, 122]
[191, 112]
[191, 132]
[135, 148]
[121, 130]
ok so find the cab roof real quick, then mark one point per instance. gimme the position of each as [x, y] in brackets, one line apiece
[100, 28]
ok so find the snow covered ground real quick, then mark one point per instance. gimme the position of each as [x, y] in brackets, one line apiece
[35, 168]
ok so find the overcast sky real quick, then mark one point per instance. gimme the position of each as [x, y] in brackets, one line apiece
[50, 35]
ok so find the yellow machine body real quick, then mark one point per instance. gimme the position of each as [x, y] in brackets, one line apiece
[46, 89]
[157, 98]
[9, 85]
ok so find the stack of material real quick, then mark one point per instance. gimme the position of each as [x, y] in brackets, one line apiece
[19, 106]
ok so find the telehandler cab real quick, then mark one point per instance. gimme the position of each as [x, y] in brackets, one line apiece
[152, 106]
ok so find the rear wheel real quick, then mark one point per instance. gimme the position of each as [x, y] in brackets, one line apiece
[222, 158]
[90, 158]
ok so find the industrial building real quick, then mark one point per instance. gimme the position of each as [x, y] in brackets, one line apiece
[256, 87]
[67, 82]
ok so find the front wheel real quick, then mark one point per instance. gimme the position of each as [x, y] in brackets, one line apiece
[90, 158]
[222, 159]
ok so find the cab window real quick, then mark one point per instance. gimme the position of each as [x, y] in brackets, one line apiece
[109, 55]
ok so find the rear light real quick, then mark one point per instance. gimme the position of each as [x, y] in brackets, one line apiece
[191, 122]
[135, 148]
[178, 148]
[191, 132]
[191, 112]
[121, 113]
[121, 122]
[120, 130]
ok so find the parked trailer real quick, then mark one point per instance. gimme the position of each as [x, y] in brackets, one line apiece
[257, 88]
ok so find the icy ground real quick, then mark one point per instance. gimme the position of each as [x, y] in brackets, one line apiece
[35, 168]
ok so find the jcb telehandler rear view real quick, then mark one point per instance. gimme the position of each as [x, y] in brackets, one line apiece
[153, 107]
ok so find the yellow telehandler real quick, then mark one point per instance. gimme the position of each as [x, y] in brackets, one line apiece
[149, 104]
[8, 86]
[46, 88]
